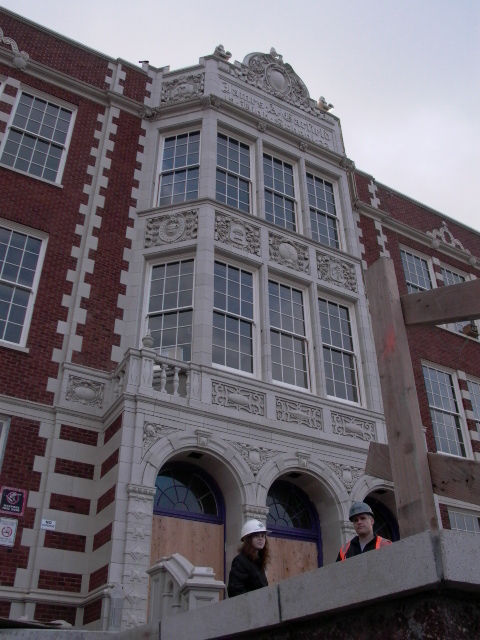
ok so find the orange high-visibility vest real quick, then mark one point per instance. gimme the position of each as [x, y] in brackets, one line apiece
[379, 542]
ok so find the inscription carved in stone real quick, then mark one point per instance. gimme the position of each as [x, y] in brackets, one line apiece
[254, 456]
[171, 228]
[237, 233]
[231, 396]
[86, 392]
[298, 413]
[354, 427]
[347, 474]
[288, 252]
[153, 432]
[183, 88]
[336, 271]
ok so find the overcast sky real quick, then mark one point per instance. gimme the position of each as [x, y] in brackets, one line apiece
[404, 75]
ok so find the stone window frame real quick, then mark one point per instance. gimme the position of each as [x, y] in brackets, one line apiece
[460, 413]
[461, 512]
[4, 428]
[251, 146]
[275, 154]
[33, 289]
[255, 322]
[351, 308]
[316, 173]
[164, 135]
[429, 264]
[475, 399]
[164, 260]
[57, 102]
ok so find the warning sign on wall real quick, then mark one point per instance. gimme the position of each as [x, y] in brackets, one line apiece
[12, 501]
[8, 530]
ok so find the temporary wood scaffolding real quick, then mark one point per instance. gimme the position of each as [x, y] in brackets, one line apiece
[416, 474]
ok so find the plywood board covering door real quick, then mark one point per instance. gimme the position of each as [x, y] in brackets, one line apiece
[202, 543]
[290, 557]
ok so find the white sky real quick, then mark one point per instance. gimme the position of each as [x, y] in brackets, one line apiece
[404, 75]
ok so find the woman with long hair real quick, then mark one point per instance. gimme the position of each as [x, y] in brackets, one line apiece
[248, 568]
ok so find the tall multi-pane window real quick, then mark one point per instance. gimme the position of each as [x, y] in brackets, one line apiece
[287, 335]
[464, 522]
[416, 272]
[474, 390]
[233, 172]
[451, 277]
[170, 310]
[279, 192]
[444, 411]
[233, 318]
[323, 214]
[19, 261]
[338, 351]
[37, 137]
[180, 167]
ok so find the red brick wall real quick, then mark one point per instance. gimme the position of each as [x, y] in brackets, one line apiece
[98, 578]
[73, 468]
[369, 240]
[444, 516]
[102, 537]
[47, 612]
[105, 499]
[59, 581]
[362, 183]
[92, 611]
[62, 502]
[109, 463]
[66, 541]
[5, 609]
[23, 444]
[112, 429]
[75, 434]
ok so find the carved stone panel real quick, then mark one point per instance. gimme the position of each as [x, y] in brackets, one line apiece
[336, 271]
[354, 427]
[288, 253]
[298, 413]
[171, 228]
[237, 233]
[231, 396]
[86, 392]
[445, 235]
[183, 88]
[254, 456]
[153, 432]
[347, 474]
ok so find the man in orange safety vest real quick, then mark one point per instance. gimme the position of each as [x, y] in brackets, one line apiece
[362, 518]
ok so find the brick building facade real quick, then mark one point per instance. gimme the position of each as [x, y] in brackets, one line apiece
[184, 334]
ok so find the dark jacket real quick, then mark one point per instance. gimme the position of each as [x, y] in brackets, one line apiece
[245, 575]
[354, 548]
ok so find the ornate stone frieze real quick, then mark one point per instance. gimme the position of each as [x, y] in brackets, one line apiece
[170, 228]
[237, 233]
[211, 101]
[183, 88]
[85, 392]
[20, 58]
[232, 397]
[347, 474]
[354, 427]
[298, 413]
[445, 235]
[336, 271]
[153, 432]
[254, 456]
[149, 113]
[288, 253]
[268, 72]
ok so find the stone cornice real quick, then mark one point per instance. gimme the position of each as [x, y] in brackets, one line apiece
[414, 234]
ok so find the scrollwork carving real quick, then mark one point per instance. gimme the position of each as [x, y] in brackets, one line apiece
[353, 427]
[446, 236]
[153, 432]
[336, 271]
[254, 456]
[86, 392]
[20, 58]
[183, 88]
[298, 413]
[170, 228]
[232, 397]
[288, 253]
[347, 474]
[237, 233]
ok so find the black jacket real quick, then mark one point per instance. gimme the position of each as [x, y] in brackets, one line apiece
[355, 549]
[245, 575]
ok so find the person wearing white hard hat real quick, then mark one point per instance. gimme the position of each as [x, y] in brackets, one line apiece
[248, 568]
[361, 515]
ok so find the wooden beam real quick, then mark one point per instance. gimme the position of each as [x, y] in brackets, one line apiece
[454, 303]
[408, 452]
[452, 477]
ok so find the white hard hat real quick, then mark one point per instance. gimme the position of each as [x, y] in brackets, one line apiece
[252, 526]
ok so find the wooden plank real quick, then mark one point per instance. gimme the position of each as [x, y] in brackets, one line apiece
[446, 304]
[378, 461]
[408, 454]
[289, 558]
[454, 477]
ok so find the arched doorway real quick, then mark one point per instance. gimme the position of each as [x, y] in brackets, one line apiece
[295, 540]
[189, 517]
